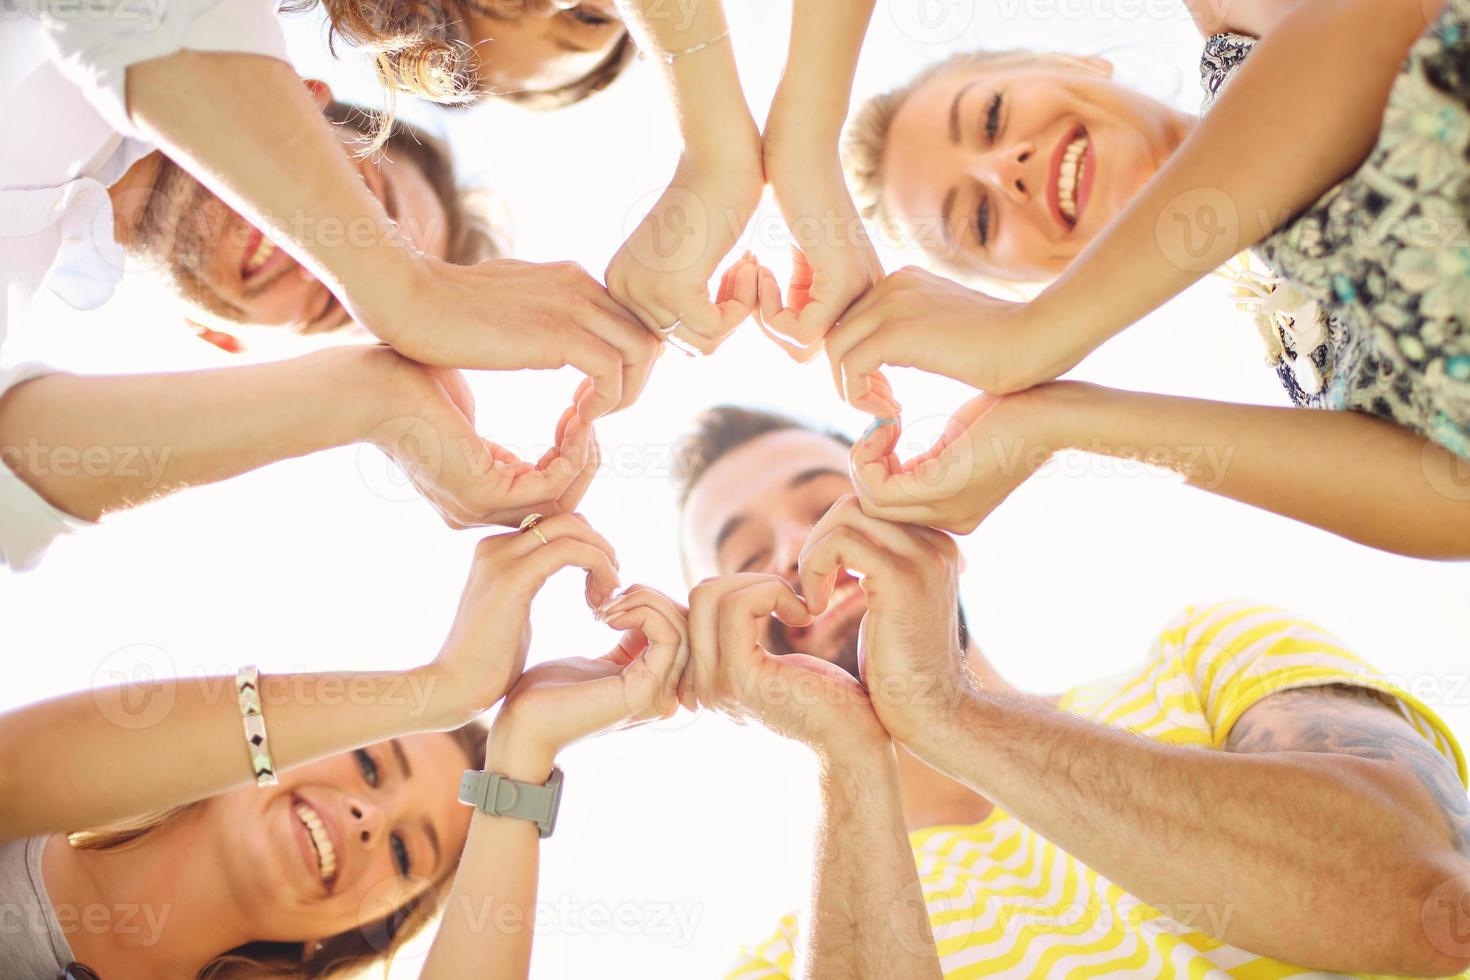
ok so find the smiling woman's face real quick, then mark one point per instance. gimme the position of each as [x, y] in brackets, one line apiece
[1008, 169]
[540, 45]
[340, 843]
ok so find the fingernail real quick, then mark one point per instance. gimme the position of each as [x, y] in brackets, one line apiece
[878, 423]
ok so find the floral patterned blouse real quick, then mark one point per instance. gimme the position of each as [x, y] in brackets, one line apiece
[1370, 309]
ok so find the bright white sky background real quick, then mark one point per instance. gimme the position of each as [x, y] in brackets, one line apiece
[680, 841]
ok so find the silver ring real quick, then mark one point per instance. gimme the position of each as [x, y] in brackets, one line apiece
[669, 330]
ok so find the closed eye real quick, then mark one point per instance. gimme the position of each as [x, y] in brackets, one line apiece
[401, 859]
[752, 562]
[992, 118]
[591, 18]
[982, 222]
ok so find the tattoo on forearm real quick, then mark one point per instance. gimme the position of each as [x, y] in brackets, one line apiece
[1357, 722]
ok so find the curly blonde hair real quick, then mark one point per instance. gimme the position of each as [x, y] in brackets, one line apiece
[335, 958]
[423, 48]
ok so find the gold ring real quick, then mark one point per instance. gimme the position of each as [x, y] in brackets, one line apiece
[529, 524]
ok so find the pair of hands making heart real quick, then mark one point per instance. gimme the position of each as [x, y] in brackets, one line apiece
[712, 653]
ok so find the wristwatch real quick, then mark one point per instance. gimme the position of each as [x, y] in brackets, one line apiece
[501, 796]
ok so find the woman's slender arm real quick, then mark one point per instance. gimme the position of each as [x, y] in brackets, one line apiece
[90, 758]
[490, 914]
[1354, 475]
[802, 164]
[1300, 115]
[663, 271]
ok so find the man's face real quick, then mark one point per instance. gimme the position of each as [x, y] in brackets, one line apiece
[752, 512]
[216, 260]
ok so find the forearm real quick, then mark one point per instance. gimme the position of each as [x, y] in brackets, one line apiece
[245, 126]
[1299, 116]
[1310, 859]
[92, 445]
[704, 85]
[816, 83]
[490, 915]
[152, 745]
[1352, 474]
[867, 915]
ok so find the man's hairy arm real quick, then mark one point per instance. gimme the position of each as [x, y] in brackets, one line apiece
[867, 916]
[1324, 858]
[1359, 722]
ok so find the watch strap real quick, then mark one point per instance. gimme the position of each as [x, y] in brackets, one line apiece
[501, 796]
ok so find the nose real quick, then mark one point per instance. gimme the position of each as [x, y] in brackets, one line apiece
[1010, 170]
[790, 538]
[365, 823]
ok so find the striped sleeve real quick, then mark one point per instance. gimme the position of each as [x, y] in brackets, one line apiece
[1237, 653]
[770, 960]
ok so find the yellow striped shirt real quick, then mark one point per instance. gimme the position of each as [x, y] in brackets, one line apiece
[1005, 902]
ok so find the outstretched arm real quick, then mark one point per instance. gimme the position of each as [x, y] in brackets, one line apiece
[1321, 797]
[867, 916]
[94, 445]
[152, 744]
[1354, 475]
[835, 263]
[490, 914]
[1300, 115]
[662, 273]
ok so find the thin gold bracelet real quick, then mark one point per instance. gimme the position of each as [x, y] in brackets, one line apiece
[669, 57]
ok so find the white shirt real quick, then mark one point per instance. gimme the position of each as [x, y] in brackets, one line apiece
[68, 139]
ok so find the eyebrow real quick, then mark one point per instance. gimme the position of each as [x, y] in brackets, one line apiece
[428, 825]
[795, 483]
[433, 836]
[946, 211]
[402, 758]
[954, 113]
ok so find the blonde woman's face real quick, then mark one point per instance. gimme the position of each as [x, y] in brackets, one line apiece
[342, 842]
[1008, 171]
[541, 45]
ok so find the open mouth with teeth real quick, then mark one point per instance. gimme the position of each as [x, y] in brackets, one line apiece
[1073, 167]
[848, 601]
[259, 250]
[321, 841]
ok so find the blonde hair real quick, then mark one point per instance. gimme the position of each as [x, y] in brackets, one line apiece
[866, 139]
[335, 958]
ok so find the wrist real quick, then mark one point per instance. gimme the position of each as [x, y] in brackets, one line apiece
[373, 281]
[1069, 414]
[515, 751]
[868, 754]
[912, 708]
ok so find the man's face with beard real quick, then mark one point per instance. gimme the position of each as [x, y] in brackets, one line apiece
[218, 262]
[752, 511]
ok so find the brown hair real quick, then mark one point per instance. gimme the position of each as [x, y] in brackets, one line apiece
[340, 956]
[723, 429]
[423, 48]
[471, 236]
[866, 138]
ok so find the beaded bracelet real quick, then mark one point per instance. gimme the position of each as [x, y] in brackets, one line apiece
[247, 688]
